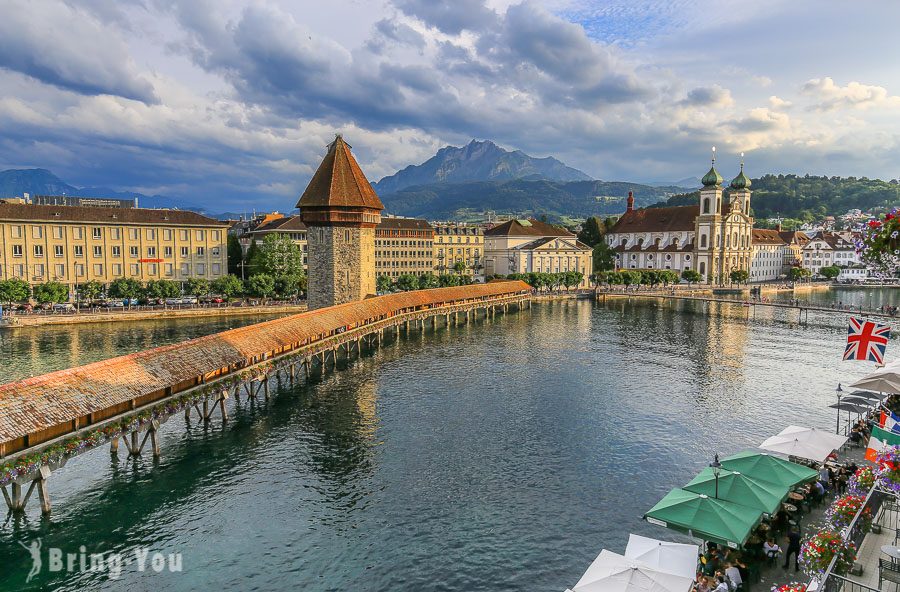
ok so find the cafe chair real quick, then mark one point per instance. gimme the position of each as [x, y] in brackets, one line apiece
[888, 571]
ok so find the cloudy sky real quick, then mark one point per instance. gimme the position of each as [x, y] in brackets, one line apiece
[230, 103]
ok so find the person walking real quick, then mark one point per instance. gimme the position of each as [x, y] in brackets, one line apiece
[793, 537]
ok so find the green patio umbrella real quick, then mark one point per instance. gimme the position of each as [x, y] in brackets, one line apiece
[766, 467]
[704, 517]
[738, 488]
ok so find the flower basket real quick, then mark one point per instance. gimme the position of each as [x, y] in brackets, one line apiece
[862, 481]
[818, 551]
[845, 508]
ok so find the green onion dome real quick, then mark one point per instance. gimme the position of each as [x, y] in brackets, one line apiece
[712, 178]
[742, 181]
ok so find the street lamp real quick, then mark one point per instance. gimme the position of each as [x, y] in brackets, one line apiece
[839, 391]
[716, 467]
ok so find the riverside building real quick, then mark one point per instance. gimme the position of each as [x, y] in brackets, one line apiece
[76, 244]
[455, 243]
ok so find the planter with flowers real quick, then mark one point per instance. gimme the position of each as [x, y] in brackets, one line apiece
[818, 551]
[792, 587]
[862, 481]
[888, 461]
[845, 508]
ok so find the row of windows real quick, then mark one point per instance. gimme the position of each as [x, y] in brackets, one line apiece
[449, 239]
[456, 230]
[115, 251]
[402, 243]
[59, 270]
[459, 251]
[650, 257]
[418, 264]
[402, 254]
[115, 233]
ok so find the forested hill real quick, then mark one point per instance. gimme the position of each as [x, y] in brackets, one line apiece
[810, 198]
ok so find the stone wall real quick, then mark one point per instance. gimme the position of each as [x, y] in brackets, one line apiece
[341, 265]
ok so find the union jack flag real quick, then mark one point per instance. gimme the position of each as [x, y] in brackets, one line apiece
[866, 340]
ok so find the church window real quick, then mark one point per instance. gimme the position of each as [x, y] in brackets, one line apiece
[702, 241]
[706, 206]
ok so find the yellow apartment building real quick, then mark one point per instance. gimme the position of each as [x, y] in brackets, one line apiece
[457, 242]
[76, 244]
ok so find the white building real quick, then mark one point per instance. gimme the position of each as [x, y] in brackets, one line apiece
[829, 249]
[526, 246]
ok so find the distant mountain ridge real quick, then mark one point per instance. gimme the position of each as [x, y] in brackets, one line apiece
[478, 161]
[16, 182]
[522, 197]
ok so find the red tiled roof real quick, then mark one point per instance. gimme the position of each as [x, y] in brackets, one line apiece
[764, 236]
[288, 223]
[794, 237]
[101, 215]
[674, 218]
[528, 227]
[339, 182]
[41, 402]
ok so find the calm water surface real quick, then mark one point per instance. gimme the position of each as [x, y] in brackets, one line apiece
[31, 351]
[501, 456]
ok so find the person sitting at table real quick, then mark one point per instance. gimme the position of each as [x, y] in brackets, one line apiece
[721, 586]
[702, 584]
[856, 436]
[733, 577]
[771, 549]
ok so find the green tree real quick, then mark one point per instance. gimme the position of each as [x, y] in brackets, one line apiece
[89, 291]
[691, 276]
[739, 276]
[261, 285]
[572, 279]
[448, 280]
[14, 290]
[228, 286]
[249, 259]
[459, 267]
[235, 255]
[830, 272]
[384, 283]
[197, 286]
[428, 280]
[798, 273]
[51, 292]
[162, 289]
[650, 277]
[592, 232]
[278, 256]
[290, 286]
[667, 276]
[604, 257]
[407, 282]
[124, 288]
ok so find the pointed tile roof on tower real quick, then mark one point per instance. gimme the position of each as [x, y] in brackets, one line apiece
[339, 182]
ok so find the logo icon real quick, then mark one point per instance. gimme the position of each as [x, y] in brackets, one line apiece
[35, 550]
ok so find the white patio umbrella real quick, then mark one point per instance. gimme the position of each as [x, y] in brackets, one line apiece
[675, 558]
[809, 443]
[883, 380]
[612, 572]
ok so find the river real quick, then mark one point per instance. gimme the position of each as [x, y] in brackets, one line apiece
[499, 456]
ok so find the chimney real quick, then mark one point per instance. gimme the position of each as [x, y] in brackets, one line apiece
[778, 227]
[630, 202]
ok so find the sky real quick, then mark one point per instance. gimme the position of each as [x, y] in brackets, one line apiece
[229, 104]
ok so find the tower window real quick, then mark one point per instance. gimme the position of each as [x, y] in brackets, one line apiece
[706, 206]
[702, 241]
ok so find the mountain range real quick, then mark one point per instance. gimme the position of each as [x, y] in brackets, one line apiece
[478, 161]
[16, 182]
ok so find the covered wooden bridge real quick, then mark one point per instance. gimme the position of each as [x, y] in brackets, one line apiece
[47, 419]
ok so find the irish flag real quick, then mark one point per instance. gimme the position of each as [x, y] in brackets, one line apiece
[879, 440]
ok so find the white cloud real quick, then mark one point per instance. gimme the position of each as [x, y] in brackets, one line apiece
[829, 96]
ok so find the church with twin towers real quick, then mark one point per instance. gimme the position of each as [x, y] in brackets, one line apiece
[714, 237]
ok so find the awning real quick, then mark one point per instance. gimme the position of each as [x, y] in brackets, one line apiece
[706, 518]
[883, 380]
[766, 467]
[809, 443]
[738, 488]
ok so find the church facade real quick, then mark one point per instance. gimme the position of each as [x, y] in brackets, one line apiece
[713, 237]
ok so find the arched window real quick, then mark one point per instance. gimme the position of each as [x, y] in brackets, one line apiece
[706, 205]
[702, 241]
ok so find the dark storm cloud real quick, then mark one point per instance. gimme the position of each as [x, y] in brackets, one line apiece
[70, 49]
[450, 16]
